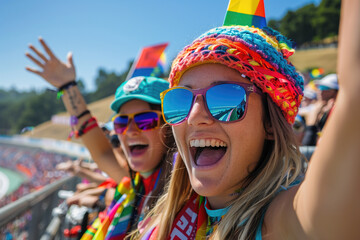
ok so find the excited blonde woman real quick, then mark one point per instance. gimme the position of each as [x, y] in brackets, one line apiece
[232, 99]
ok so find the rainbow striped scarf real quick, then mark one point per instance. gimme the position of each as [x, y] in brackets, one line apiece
[119, 214]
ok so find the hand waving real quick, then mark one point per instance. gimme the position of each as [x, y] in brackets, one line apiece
[54, 71]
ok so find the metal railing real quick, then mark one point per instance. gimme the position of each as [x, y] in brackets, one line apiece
[40, 204]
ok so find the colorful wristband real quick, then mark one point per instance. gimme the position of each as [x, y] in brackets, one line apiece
[82, 132]
[83, 128]
[61, 89]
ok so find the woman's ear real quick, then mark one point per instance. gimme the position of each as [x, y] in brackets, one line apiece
[269, 131]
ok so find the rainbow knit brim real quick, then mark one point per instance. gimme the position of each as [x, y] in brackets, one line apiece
[260, 54]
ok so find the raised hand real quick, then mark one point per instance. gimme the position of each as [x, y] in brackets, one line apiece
[54, 71]
[58, 73]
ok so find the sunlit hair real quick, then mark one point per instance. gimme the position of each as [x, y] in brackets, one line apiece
[279, 165]
[166, 164]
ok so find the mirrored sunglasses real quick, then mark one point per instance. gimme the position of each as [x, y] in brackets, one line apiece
[225, 101]
[144, 121]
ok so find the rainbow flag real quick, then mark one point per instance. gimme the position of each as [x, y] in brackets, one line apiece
[150, 62]
[119, 211]
[246, 12]
[316, 72]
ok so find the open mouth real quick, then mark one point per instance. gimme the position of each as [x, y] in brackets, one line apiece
[207, 152]
[138, 149]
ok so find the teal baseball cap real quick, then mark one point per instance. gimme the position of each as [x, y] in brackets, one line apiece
[147, 89]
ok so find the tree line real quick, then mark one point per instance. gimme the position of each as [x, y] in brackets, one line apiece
[311, 24]
[20, 109]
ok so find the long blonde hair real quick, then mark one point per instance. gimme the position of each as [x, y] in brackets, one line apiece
[279, 165]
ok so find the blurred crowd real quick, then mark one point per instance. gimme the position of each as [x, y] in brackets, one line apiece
[316, 106]
[37, 166]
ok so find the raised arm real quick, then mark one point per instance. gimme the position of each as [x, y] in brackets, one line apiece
[326, 205]
[58, 73]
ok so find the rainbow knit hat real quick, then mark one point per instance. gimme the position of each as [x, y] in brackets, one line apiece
[260, 54]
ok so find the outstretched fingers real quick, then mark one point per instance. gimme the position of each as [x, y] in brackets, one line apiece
[37, 62]
[47, 49]
[38, 53]
[34, 71]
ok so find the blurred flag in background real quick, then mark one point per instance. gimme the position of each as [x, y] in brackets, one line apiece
[316, 73]
[151, 62]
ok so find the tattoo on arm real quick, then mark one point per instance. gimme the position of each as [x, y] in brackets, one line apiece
[74, 101]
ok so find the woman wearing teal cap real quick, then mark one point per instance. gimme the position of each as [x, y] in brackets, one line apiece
[232, 100]
[146, 143]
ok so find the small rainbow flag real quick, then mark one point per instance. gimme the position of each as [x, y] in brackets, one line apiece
[150, 61]
[246, 12]
[316, 72]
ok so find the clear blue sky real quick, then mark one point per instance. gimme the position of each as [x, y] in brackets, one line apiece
[105, 34]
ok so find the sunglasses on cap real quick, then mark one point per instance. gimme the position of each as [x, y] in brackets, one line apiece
[144, 121]
[225, 101]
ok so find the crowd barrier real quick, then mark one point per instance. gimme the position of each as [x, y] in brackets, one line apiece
[40, 205]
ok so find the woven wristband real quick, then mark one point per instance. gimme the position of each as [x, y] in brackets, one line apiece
[67, 85]
[83, 114]
[63, 87]
[83, 131]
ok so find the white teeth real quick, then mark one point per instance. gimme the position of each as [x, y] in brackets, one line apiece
[207, 143]
[136, 143]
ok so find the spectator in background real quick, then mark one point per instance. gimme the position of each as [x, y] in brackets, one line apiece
[316, 118]
[328, 88]
[106, 131]
[117, 150]
[299, 129]
[83, 170]
[309, 97]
